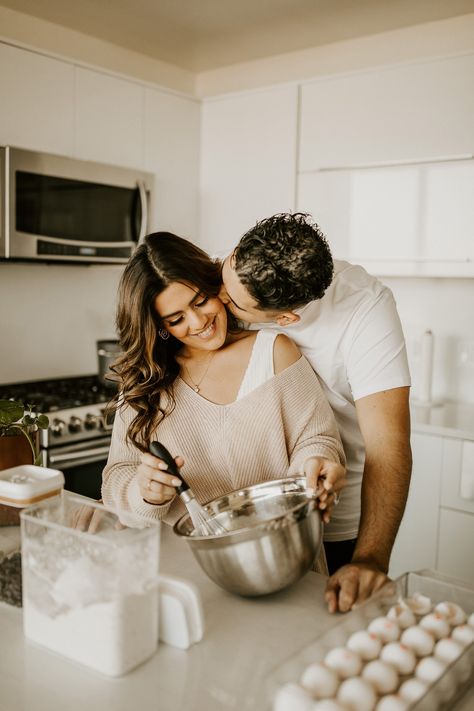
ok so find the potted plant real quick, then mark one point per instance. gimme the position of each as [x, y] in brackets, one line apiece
[19, 429]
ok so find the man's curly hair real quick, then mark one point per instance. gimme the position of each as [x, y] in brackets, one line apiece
[284, 261]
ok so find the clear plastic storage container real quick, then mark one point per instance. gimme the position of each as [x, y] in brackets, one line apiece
[441, 695]
[90, 587]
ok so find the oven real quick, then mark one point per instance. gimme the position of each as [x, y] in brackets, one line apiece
[78, 438]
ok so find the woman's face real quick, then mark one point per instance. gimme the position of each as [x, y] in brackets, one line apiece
[197, 320]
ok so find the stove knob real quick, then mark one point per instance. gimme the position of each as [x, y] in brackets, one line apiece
[91, 421]
[75, 424]
[57, 427]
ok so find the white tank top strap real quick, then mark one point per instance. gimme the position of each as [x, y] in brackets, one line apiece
[260, 365]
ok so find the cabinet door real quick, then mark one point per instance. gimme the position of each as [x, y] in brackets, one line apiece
[172, 126]
[395, 220]
[416, 543]
[248, 162]
[37, 104]
[456, 535]
[421, 110]
[457, 489]
[109, 119]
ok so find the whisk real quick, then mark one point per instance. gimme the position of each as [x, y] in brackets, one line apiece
[203, 524]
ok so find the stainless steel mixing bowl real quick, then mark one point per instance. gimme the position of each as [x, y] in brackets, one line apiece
[274, 535]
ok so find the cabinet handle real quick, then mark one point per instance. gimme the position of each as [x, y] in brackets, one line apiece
[467, 471]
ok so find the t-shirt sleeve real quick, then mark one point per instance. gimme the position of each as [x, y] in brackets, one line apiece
[376, 359]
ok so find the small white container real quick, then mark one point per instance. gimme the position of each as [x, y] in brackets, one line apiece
[90, 595]
[23, 486]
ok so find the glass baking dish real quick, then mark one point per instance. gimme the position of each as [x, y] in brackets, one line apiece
[444, 694]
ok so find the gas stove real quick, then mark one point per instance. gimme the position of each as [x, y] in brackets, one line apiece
[75, 406]
[77, 440]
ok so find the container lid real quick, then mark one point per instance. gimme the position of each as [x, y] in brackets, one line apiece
[27, 484]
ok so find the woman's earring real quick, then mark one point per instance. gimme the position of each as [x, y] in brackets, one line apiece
[163, 334]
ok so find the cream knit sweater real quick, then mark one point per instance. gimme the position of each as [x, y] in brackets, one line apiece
[267, 434]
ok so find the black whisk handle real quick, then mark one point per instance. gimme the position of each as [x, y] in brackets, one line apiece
[159, 450]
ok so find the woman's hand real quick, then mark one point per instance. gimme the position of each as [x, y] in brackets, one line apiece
[157, 485]
[324, 480]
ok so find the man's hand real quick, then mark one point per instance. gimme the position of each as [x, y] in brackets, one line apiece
[352, 584]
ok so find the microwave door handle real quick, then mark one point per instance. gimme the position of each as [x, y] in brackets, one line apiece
[144, 209]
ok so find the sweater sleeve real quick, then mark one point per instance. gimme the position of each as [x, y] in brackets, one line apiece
[120, 489]
[309, 421]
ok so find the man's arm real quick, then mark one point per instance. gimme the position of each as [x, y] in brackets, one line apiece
[384, 420]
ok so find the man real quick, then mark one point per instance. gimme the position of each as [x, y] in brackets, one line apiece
[281, 275]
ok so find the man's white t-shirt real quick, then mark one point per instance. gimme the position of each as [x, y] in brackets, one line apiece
[354, 340]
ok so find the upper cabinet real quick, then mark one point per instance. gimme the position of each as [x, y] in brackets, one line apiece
[37, 104]
[386, 166]
[109, 119]
[248, 148]
[403, 113]
[171, 135]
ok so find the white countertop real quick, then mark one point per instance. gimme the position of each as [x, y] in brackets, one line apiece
[449, 419]
[244, 640]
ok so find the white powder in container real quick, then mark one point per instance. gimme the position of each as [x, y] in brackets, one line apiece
[110, 637]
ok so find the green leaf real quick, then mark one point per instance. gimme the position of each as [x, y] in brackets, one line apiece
[29, 420]
[10, 411]
[42, 421]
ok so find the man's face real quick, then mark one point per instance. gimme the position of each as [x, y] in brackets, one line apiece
[238, 300]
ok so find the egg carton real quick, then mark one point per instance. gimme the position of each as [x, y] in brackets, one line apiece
[441, 695]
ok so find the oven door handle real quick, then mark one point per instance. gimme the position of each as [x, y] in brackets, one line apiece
[96, 452]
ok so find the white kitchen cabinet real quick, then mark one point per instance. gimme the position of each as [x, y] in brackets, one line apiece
[416, 543]
[109, 119]
[171, 139]
[408, 220]
[456, 536]
[248, 148]
[437, 529]
[37, 101]
[406, 112]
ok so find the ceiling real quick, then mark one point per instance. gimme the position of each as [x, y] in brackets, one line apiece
[199, 35]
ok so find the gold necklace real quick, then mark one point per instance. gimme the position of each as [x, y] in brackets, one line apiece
[196, 386]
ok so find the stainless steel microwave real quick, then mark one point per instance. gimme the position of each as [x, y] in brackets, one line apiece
[54, 208]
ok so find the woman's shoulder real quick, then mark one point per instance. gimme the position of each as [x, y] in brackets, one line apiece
[285, 353]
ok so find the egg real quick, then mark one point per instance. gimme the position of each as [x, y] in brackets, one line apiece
[366, 644]
[392, 702]
[431, 671]
[319, 681]
[402, 615]
[386, 630]
[419, 604]
[470, 621]
[382, 676]
[436, 624]
[328, 705]
[399, 656]
[412, 690]
[448, 650]
[464, 634]
[344, 662]
[419, 640]
[453, 613]
[292, 697]
[358, 694]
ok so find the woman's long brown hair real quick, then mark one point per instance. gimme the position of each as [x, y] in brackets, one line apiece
[147, 367]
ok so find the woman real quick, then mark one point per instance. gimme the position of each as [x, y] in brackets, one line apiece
[238, 407]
